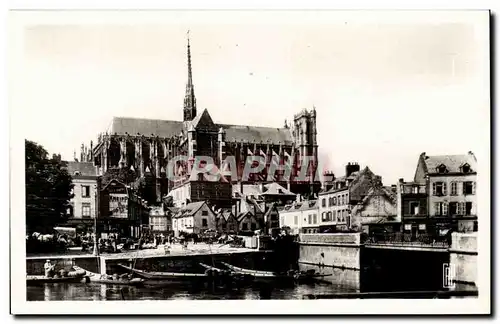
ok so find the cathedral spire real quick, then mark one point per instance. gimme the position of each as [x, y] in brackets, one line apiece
[189, 98]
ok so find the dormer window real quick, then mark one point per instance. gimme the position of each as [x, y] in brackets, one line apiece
[77, 173]
[466, 168]
[442, 169]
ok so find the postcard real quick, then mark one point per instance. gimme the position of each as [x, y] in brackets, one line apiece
[234, 162]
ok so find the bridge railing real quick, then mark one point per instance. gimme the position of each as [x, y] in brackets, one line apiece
[407, 239]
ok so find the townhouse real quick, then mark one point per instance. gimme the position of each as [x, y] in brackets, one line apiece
[336, 202]
[451, 184]
[301, 217]
[194, 218]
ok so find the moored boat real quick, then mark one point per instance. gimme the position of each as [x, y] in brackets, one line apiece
[228, 277]
[255, 273]
[208, 267]
[164, 275]
[291, 275]
[34, 279]
[92, 277]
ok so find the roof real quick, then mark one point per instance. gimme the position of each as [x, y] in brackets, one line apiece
[245, 214]
[354, 177]
[236, 133]
[190, 209]
[302, 205]
[276, 189]
[83, 168]
[170, 128]
[225, 213]
[381, 220]
[453, 163]
[259, 205]
[248, 189]
[146, 127]
[172, 210]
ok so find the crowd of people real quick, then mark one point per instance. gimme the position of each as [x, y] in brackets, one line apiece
[114, 242]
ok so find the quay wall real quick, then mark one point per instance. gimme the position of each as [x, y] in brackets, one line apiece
[341, 250]
[463, 258]
[108, 264]
[34, 266]
[190, 263]
[338, 254]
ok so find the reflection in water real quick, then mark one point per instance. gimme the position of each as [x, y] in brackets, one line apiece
[346, 280]
[103, 292]
[46, 293]
[81, 291]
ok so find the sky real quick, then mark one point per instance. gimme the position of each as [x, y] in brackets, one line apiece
[386, 86]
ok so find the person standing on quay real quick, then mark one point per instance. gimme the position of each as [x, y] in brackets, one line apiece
[49, 269]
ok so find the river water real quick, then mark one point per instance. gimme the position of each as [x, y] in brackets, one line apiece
[95, 292]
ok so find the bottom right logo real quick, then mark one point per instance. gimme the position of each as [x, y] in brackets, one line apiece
[449, 274]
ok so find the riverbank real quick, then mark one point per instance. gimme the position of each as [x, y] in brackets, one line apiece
[174, 250]
[177, 258]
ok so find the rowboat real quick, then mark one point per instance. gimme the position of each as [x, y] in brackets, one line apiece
[33, 279]
[228, 277]
[98, 278]
[256, 273]
[206, 266]
[290, 275]
[165, 275]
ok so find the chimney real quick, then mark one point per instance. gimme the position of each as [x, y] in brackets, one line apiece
[350, 168]
[261, 187]
[328, 176]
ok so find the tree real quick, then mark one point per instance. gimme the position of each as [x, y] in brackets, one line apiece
[48, 188]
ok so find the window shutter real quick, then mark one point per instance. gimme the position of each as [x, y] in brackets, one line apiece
[463, 188]
[474, 188]
[444, 188]
[433, 189]
[445, 209]
[436, 209]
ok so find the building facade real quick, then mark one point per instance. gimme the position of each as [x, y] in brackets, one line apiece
[121, 210]
[82, 210]
[336, 202]
[145, 146]
[302, 217]
[194, 218]
[451, 184]
[160, 219]
[377, 211]
[412, 208]
[226, 222]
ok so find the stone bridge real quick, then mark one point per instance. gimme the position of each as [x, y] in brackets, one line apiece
[424, 258]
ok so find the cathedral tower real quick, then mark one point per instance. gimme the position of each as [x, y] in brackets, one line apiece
[189, 98]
